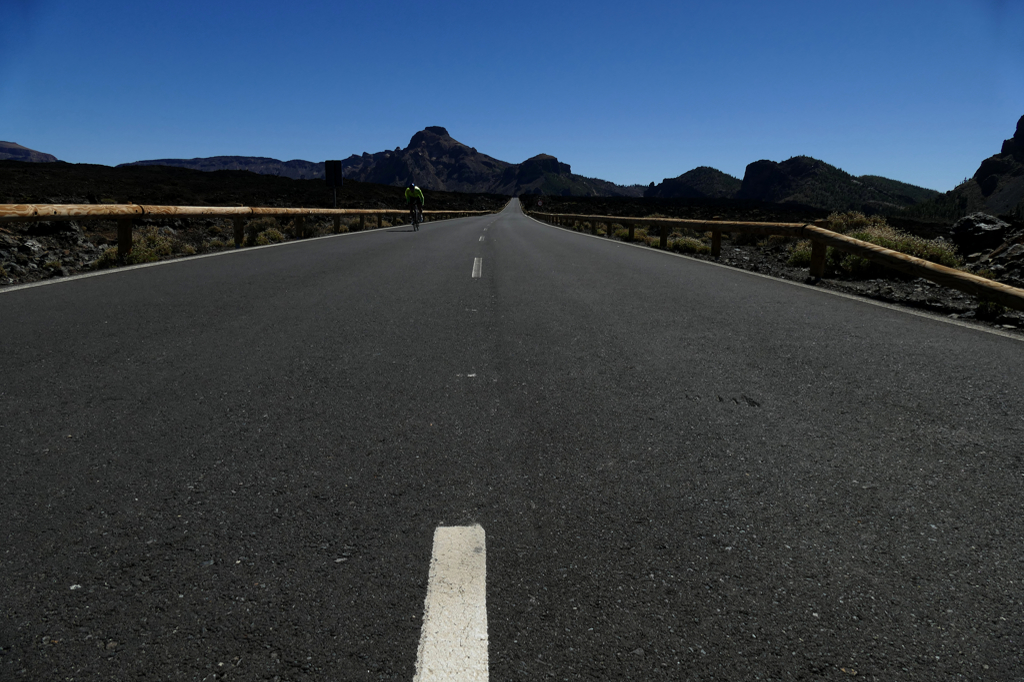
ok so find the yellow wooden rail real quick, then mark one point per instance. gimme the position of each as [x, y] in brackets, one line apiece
[127, 214]
[820, 238]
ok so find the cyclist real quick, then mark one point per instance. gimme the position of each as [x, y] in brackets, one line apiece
[414, 197]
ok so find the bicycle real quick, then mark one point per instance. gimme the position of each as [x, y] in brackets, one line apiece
[416, 214]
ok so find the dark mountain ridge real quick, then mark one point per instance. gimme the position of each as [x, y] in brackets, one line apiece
[435, 161]
[296, 169]
[701, 182]
[996, 188]
[799, 180]
[9, 151]
[811, 182]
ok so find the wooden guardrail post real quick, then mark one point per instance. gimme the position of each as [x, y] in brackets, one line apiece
[239, 225]
[716, 243]
[124, 237]
[337, 224]
[632, 228]
[300, 227]
[664, 236]
[362, 222]
[818, 251]
[380, 221]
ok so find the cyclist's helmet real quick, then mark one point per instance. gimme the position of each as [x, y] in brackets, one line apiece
[411, 185]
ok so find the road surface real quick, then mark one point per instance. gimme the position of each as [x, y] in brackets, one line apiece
[233, 467]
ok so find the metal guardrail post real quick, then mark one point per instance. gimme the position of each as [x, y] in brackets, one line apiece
[124, 237]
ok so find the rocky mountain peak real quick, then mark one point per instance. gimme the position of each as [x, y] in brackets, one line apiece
[1015, 145]
[545, 163]
[431, 135]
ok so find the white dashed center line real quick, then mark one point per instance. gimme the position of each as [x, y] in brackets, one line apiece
[481, 237]
[478, 266]
[453, 644]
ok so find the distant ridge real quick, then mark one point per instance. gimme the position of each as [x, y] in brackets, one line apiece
[10, 151]
[811, 182]
[296, 169]
[435, 161]
[702, 182]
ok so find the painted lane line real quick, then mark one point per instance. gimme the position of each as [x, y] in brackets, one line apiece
[478, 266]
[453, 644]
[481, 237]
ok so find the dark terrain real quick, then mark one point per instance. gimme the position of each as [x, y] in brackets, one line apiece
[1001, 256]
[34, 251]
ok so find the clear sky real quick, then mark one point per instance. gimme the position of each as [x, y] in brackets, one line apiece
[633, 92]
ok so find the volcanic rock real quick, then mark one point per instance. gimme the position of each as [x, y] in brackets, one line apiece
[997, 187]
[978, 232]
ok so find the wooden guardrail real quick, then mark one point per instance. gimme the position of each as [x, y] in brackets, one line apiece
[820, 239]
[127, 214]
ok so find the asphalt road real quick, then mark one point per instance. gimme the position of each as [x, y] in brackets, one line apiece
[233, 467]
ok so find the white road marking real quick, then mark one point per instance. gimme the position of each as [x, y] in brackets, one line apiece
[478, 266]
[481, 237]
[453, 644]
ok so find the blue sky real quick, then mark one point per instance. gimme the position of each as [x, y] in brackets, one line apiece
[633, 92]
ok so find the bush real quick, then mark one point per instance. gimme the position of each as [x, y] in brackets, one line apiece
[875, 230]
[688, 245]
[800, 254]
[844, 223]
[989, 310]
[270, 236]
[254, 227]
[149, 245]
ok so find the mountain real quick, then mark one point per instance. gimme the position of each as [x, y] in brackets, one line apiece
[997, 187]
[808, 181]
[433, 160]
[436, 161]
[296, 170]
[700, 183]
[10, 151]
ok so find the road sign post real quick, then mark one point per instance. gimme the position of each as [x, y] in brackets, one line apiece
[334, 176]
